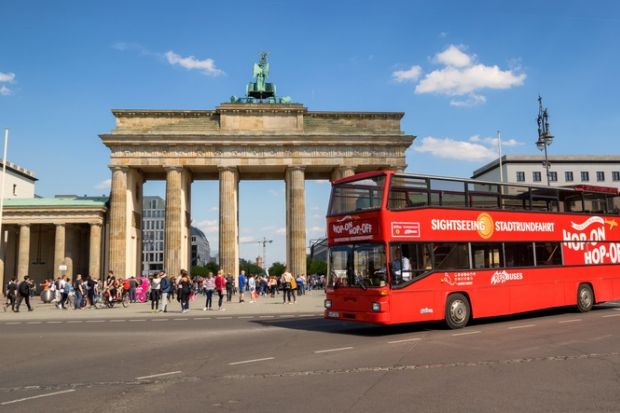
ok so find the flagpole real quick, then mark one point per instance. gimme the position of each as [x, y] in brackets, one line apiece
[499, 145]
[6, 144]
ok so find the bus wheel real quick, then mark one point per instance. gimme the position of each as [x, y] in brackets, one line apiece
[457, 311]
[585, 298]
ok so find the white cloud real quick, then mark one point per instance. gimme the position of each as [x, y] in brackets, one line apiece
[452, 149]
[410, 75]
[7, 77]
[247, 239]
[273, 192]
[104, 184]
[208, 226]
[461, 76]
[207, 66]
[453, 56]
[280, 231]
[5, 91]
[316, 230]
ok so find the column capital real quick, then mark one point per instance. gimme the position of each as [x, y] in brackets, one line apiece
[173, 168]
[227, 168]
[121, 168]
[296, 168]
[24, 225]
[94, 224]
[60, 224]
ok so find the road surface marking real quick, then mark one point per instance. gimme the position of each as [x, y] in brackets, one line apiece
[329, 350]
[13, 323]
[74, 321]
[522, 326]
[404, 340]
[96, 321]
[465, 334]
[570, 321]
[37, 397]
[33, 322]
[202, 318]
[53, 322]
[250, 361]
[267, 316]
[223, 318]
[611, 315]
[159, 375]
[308, 315]
[249, 316]
[160, 319]
[135, 321]
[117, 321]
[287, 316]
[180, 319]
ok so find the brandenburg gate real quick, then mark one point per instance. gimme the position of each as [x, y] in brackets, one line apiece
[256, 137]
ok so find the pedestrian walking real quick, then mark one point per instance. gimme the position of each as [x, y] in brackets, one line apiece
[252, 288]
[185, 289]
[220, 286]
[230, 286]
[155, 292]
[10, 292]
[242, 283]
[23, 293]
[78, 288]
[286, 281]
[166, 289]
[133, 285]
[209, 289]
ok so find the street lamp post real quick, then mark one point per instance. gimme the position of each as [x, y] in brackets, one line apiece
[544, 135]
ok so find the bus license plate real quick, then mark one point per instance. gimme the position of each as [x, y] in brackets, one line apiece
[333, 314]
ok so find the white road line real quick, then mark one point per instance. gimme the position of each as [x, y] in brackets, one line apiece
[406, 340]
[570, 321]
[33, 322]
[160, 319]
[267, 316]
[13, 323]
[37, 397]
[159, 375]
[329, 350]
[202, 318]
[180, 319]
[117, 321]
[223, 318]
[96, 321]
[74, 321]
[611, 315]
[466, 333]
[287, 316]
[249, 316]
[522, 326]
[250, 361]
[135, 321]
[616, 309]
[308, 315]
[53, 322]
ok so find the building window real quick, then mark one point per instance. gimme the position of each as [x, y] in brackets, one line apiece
[585, 176]
[553, 176]
[600, 176]
[568, 176]
[14, 189]
[520, 176]
[536, 176]
[615, 175]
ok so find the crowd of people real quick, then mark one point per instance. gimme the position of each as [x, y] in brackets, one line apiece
[160, 289]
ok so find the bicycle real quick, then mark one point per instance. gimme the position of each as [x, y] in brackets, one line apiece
[106, 301]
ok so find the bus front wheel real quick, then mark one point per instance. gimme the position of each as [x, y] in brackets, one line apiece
[458, 311]
[585, 298]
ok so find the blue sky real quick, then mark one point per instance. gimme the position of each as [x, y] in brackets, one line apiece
[459, 70]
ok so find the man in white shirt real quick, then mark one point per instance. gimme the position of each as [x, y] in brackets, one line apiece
[401, 267]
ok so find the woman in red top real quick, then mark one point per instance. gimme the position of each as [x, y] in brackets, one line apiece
[220, 287]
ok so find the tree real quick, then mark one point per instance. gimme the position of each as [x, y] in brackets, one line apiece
[315, 266]
[249, 267]
[203, 270]
[277, 268]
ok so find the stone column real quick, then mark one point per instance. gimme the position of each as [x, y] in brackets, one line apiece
[3, 246]
[229, 224]
[94, 256]
[23, 255]
[59, 248]
[118, 220]
[296, 220]
[69, 239]
[174, 221]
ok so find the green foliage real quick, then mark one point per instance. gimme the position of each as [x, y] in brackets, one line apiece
[204, 270]
[277, 268]
[315, 266]
[249, 267]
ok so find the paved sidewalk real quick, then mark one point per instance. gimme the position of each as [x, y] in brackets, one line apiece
[310, 303]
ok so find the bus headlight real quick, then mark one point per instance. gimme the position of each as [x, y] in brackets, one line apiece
[376, 307]
[327, 303]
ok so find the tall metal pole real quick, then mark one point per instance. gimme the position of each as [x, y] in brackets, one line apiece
[6, 145]
[499, 145]
[547, 165]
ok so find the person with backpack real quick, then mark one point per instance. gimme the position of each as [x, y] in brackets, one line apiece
[78, 287]
[23, 293]
[185, 289]
[11, 293]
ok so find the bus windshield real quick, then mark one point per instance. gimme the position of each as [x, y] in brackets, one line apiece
[360, 195]
[361, 266]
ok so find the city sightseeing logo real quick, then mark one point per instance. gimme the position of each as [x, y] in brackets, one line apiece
[500, 277]
[485, 225]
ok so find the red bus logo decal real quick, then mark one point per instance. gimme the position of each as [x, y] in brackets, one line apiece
[406, 229]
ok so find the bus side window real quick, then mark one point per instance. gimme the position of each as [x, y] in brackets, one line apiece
[519, 254]
[548, 253]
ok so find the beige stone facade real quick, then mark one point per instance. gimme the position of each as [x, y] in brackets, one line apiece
[231, 143]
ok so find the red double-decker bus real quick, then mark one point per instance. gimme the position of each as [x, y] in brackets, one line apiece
[408, 248]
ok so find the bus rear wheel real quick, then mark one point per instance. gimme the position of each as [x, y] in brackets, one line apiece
[458, 311]
[585, 298]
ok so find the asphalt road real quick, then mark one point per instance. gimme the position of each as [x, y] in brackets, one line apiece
[553, 361]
